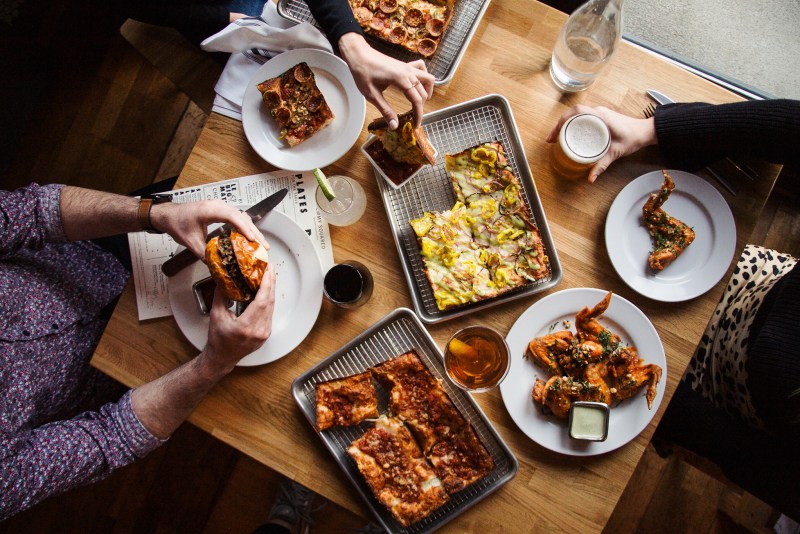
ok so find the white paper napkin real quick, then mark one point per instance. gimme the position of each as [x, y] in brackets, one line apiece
[252, 42]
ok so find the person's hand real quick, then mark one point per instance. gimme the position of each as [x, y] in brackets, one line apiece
[373, 72]
[628, 134]
[231, 338]
[188, 223]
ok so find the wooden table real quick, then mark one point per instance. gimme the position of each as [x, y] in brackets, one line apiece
[253, 409]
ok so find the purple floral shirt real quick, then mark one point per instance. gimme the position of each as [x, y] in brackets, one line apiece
[52, 436]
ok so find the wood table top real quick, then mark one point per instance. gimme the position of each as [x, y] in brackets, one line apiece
[253, 409]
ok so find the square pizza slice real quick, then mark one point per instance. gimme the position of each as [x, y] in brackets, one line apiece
[450, 260]
[400, 152]
[346, 401]
[406, 143]
[418, 398]
[460, 459]
[396, 471]
[296, 104]
[480, 169]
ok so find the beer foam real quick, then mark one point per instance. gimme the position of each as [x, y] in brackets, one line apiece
[587, 136]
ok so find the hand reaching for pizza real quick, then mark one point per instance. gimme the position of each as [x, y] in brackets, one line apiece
[374, 72]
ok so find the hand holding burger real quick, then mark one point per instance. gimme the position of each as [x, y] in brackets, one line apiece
[237, 264]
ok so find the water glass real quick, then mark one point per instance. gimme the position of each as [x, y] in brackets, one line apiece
[349, 204]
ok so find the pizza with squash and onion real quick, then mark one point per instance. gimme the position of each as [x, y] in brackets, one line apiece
[487, 244]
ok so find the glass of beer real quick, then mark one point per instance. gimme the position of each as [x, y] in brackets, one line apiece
[348, 284]
[476, 358]
[582, 141]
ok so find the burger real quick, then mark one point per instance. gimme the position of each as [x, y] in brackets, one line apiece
[236, 264]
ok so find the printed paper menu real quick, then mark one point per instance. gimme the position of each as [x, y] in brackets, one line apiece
[150, 251]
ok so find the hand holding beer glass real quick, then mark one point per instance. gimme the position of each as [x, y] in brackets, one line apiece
[582, 141]
[627, 135]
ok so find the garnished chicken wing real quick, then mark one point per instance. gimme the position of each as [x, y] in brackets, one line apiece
[670, 236]
[591, 365]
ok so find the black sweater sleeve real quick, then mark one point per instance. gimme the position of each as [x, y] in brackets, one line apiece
[336, 19]
[694, 135]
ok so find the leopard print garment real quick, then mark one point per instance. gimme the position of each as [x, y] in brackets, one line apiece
[717, 369]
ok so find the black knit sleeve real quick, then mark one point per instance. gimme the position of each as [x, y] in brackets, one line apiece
[694, 135]
[336, 19]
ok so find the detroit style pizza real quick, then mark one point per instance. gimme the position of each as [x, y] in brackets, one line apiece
[296, 104]
[419, 453]
[346, 401]
[416, 25]
[487, 244]
[396, 471]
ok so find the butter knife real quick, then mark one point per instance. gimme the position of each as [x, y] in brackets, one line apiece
[184, 258]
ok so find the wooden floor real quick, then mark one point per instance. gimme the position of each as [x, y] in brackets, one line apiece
[108, 119]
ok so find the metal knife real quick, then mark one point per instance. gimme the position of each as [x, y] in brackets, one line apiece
[185, 257]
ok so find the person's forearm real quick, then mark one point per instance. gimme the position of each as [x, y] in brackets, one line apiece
[163, 404]
[351, 45]
[87, 214]
[694, 135]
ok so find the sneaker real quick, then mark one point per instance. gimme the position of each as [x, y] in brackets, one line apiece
[293, 507]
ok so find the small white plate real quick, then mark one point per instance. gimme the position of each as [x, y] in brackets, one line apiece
[329, 144]
[372, 139]
[627, 419]
[701, 265]
[298, 292]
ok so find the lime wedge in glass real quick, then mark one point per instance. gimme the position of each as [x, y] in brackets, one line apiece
[324, 184]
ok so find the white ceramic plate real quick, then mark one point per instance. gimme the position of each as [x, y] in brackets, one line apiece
[701, 265]
[326, 146]
[371, 139]
[627, 419]
[298, 293]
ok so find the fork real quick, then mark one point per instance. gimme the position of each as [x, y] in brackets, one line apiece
[650, 111]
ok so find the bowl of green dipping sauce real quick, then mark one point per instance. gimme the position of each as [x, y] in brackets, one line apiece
[588, 421]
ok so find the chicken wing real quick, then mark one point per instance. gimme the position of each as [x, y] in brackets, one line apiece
[559, 392]
[670, 236]
[629, 375]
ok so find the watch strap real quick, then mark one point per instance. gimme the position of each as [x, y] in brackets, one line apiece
[143, 216]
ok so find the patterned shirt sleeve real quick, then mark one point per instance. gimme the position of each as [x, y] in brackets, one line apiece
[30, 217]
[60, 456]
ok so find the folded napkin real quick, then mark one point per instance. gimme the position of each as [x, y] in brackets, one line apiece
[252, 41]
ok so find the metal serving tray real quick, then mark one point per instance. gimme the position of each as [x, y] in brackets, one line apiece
[466, 17]
[452, 130]
[395, 334]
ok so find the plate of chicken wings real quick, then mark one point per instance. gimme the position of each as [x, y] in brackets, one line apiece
[583, 344]
[658, 266]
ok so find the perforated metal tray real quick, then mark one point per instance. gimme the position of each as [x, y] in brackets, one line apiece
[395, 334]
[466, 17]
[452, 130]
